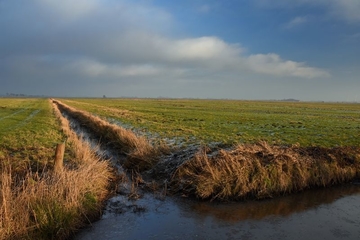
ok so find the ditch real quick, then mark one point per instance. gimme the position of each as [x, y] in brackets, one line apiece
[326, 213]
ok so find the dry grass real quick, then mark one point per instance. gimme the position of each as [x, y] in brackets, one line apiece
[51, 207]
[141, 155]
[45, 205]
[261, 170]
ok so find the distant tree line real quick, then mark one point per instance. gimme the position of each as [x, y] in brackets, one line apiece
[15, 95]
[22, 95]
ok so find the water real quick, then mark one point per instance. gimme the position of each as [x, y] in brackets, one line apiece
[332, 213]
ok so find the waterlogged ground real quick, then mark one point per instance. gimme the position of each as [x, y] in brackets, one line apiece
[331, 213]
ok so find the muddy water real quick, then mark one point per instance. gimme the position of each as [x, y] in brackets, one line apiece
[332, 213]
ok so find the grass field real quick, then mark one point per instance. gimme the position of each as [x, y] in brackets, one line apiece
[263, 149]
[35, 202]
[276, 148]
[28, 130]
[229, 122]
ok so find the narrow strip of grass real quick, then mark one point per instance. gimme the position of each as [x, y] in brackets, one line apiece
[263, 171]
[140, 154]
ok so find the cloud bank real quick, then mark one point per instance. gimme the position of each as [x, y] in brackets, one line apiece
[118, 41]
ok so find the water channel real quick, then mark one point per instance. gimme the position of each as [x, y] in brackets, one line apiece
[329, 213]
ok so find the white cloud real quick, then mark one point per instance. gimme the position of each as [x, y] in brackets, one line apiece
[296, 22]
[151, 54]
[272, 64]
[96, 69]
[203, 48]
[93, 68]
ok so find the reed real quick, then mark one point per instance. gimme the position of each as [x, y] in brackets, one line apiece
[140, 154]
[263, 171]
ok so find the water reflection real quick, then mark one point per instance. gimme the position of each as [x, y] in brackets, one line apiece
[331, 213]
[280, 206]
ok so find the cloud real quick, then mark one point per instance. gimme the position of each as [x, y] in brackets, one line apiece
[296, 22]
[204, 8]
[95, 69]
[68, 9]
[346, 10]
[154, 55]
[111, 41]
[272, 64]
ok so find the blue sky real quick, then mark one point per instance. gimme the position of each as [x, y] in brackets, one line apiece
[259, 49]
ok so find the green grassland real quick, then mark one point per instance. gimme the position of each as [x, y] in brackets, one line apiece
[28, 129]
[35, 201]
[231, 122]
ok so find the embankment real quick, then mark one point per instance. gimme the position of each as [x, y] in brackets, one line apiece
[263, 171]
[252, 171]
[140, 154]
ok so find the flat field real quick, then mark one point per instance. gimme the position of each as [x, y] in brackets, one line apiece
[35, 201]
[231, 122]
[28, 129]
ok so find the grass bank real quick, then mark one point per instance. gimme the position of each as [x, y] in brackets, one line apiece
[263, 171]
[39, 204]
[248, 170]
[140, 154]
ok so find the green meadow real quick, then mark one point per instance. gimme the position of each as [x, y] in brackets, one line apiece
[231, 121]
[28, 129]
[35, 201]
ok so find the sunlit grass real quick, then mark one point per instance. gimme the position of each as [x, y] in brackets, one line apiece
[231, 122]
[263, 171]
[36, 203]
[29, 131]
[281, 148]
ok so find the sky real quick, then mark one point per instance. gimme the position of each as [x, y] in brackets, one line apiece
[244, 49]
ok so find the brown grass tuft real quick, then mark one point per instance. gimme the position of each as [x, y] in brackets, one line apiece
[261, 171]
[51, 206]
[141, 155]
